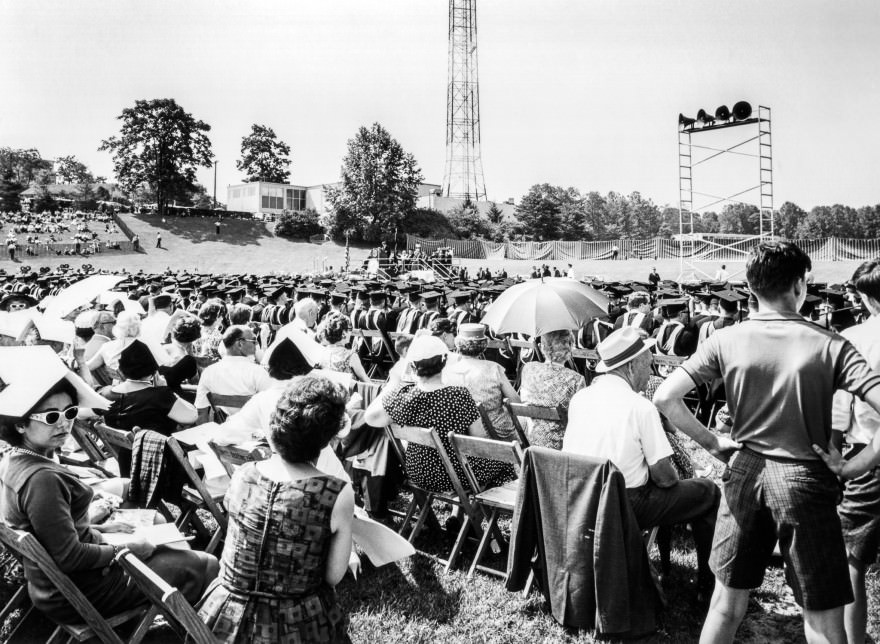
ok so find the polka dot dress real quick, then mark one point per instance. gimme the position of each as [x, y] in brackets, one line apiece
[450, 409]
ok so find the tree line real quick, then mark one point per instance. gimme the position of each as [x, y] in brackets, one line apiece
[160, 146]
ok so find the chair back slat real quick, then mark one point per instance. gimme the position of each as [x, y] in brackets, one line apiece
[233, 456]
[475, 446]
[487, 422]
[115, 439]
[196, 482]
[167, 599]
[517, 426]
[537, 411]
[410, 434]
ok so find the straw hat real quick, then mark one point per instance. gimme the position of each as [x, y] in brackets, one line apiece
[621, 347]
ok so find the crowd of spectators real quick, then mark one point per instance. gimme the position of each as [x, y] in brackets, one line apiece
[59, 232]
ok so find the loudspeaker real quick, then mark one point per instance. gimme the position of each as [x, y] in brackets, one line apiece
[686, 122]
[705, 118]
[722, 113]
[742, 111]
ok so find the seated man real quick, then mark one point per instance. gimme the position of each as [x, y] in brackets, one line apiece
[236, 374]
[610, 420]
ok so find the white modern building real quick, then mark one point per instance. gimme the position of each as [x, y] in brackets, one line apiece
[265, 198]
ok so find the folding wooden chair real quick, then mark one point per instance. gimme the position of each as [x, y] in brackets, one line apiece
[487, 422]
[94, 624]
[492, 500]
[87, 440]
[423, 499]
[196, 496]
[517, 410]
[220, 402]
[167, 600]
[232, 456]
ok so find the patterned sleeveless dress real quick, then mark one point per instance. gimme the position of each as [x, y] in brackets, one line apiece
[271, 584]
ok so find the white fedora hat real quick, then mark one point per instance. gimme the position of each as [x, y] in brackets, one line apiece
[620, 347]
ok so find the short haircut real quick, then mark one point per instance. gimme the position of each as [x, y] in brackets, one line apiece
[308, 415]
[866, 279]
[401, 344]
[439, 326]
[233, 334]
[240, 314]
[333, 328]
[305, 306]
[210, 311]
[638, 300]
[186, 330]
[773, 267]
[128, 325]
[8, 432]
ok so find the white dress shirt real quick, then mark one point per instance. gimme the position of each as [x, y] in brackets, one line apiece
[850, 414]
[232, 376]
[609, 420]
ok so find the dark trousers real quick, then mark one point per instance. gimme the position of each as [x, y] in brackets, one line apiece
[693, 501]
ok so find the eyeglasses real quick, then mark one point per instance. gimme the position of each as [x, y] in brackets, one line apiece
[52, 417]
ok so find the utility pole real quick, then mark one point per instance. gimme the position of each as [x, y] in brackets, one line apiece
[215, 185]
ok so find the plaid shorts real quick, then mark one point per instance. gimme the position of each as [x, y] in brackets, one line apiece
[795, 502]
[860, 513]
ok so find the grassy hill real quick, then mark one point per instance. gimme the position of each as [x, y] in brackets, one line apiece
[250, 246]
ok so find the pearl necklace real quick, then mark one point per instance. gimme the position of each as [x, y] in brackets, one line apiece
[25, 450]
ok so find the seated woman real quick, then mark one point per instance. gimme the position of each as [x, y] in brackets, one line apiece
[430, 403]
[38, 495]
[183, 366]
[485, 380]
[211, 317]
[126, 331]
[550, 384]
[139, 402]
[332, 332]
[289, 535]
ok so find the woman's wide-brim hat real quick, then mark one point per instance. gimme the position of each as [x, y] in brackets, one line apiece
[27, 373]
[424, 347]
[621, 347]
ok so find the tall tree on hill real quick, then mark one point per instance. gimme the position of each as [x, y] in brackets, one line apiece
[10, 191]
[71, 170]
[162, 145]
[25, 165]
[787, 219]
[379, 187]
[494, 214]
[539, 212]
[263, 156]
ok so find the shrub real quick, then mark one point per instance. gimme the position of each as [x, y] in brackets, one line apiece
[300, 225]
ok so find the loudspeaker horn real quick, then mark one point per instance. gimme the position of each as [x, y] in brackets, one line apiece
[705, 118]
[722, 113]
[742, 111]
[686, 122]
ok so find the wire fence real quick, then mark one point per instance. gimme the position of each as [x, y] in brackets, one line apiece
[709, 249]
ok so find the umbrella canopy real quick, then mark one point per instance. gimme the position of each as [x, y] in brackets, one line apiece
[80, 294]
[537, 307]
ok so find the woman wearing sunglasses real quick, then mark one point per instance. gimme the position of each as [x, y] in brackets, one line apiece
[39, 399]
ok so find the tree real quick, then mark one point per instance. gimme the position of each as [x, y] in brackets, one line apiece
[596, 214]
[263, 156]
[787, 219]
[379, 186]
[10, 191]
[539, 212]
[70, 170]
[739, 218]
[86, 199]
[494, 214]
[646, 216]
[466, 222]
[161, 145]
[43, 201]
[25, 165]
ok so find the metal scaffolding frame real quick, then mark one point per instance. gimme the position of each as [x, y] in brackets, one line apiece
[463, 176]
[759, 129]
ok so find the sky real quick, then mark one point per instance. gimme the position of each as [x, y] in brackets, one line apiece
[581, 93]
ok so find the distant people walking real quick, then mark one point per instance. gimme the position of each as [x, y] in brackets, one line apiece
[158, 240]
[11, 244]
[615, 251]
[217, 227]
[136, 243]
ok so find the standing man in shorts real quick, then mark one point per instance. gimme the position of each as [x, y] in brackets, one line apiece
[857, 423]
[780, 373]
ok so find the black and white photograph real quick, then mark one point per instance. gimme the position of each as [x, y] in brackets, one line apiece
[440, 321]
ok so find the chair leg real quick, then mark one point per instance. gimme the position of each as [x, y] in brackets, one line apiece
[423, 515]
[484, 541]
[144, 625]
[216, 538]
[529, 582]
[407, 517]
[458, 545]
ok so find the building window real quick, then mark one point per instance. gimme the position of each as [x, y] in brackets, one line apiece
[236, 194]
[296, 199]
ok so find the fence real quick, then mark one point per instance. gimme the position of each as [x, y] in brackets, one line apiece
[53, 249]
[821, 250]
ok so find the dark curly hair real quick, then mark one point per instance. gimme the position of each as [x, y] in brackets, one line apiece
[439, 326]
[186, 330]
[210, 311]
[8, 432]
[429, 366]
[773, 267]
[308, 415]
[333, 328]
[240, 314]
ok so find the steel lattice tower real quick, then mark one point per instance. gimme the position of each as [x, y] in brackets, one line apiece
[463, 177]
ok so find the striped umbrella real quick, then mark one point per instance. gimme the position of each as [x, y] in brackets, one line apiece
[539, 306]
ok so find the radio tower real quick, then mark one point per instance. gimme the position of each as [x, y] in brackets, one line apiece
[463, 177]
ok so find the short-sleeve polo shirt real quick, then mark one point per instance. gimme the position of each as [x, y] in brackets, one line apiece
[780, 372]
